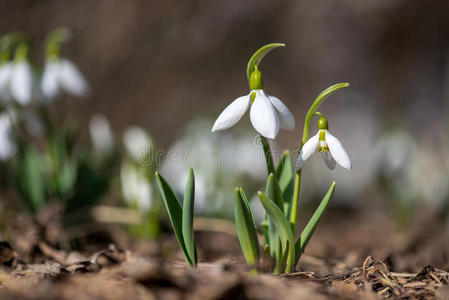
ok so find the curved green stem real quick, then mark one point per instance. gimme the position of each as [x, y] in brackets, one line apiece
[268, 156]
[305, 136]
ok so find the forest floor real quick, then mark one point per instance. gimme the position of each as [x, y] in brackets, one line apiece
[351, 256]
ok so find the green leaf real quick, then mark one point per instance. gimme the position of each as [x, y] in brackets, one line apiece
[285, 176]
[174, 211]
[316, 104]
[246, 228]
[273, 191]
[307, 233]
[187, 217]
[283, 226]
[33, 178]
[259, 55]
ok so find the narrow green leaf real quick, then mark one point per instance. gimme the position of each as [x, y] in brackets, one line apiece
[187, 217]
[246, 228]
[285, 175]
[33, 178]
[283, 226]
[307, 233]
[174, 211]
[259, 55]
[273, 192]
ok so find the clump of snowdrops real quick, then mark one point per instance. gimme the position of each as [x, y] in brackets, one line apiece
[280, 198]
[40, 153]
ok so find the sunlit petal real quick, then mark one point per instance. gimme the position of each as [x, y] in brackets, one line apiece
[71, 79]
[49, 82]
[337, 151]
[307, 150]
[232, 114]
[286, 119]
[263, 116]
[21, 82]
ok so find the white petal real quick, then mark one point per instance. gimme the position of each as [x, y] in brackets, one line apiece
[101, 134]
[232, 114]
[328, 160]
[286, 119]
[49, 82]
[71, 79]
[21, 82]
[263, 116]
[307, 150]
[337, 151]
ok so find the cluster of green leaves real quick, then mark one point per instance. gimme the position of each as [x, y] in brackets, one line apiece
[181, 217]
[280, 199]
[277, 229]
[56, 168]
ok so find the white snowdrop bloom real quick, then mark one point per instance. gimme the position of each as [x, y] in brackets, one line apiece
[59, 75]
[267, 113]
[101, 134]
[21, 82]
[137, 142]
[136, 188]
[5, 76]
[8, 146]
[330, 147]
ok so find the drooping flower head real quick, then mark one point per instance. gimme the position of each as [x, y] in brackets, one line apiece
[60, 74]
[21, 77]
[330, 147]
[267, 113]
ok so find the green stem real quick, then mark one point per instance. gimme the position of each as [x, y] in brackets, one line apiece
[296, 191]
[305, 136]
[268, 156]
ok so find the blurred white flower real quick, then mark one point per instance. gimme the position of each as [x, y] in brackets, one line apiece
[394, 150]
[213, 158]
[59, 75]
[137, 142]
[101, 134]
[21, 82]
[136, 188]
[8, 145]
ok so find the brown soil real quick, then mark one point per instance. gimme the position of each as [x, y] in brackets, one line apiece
[355, 257]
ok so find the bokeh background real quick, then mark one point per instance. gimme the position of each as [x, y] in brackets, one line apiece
[162, 65]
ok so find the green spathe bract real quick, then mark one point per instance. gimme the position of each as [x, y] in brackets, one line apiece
[181, 218]
[257, 57]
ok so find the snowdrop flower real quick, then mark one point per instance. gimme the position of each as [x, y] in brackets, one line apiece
[21, 81]
[137, 143]
[60, 74]
[101, 134]
[136, 188]
[267, 113]
[330, 147]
